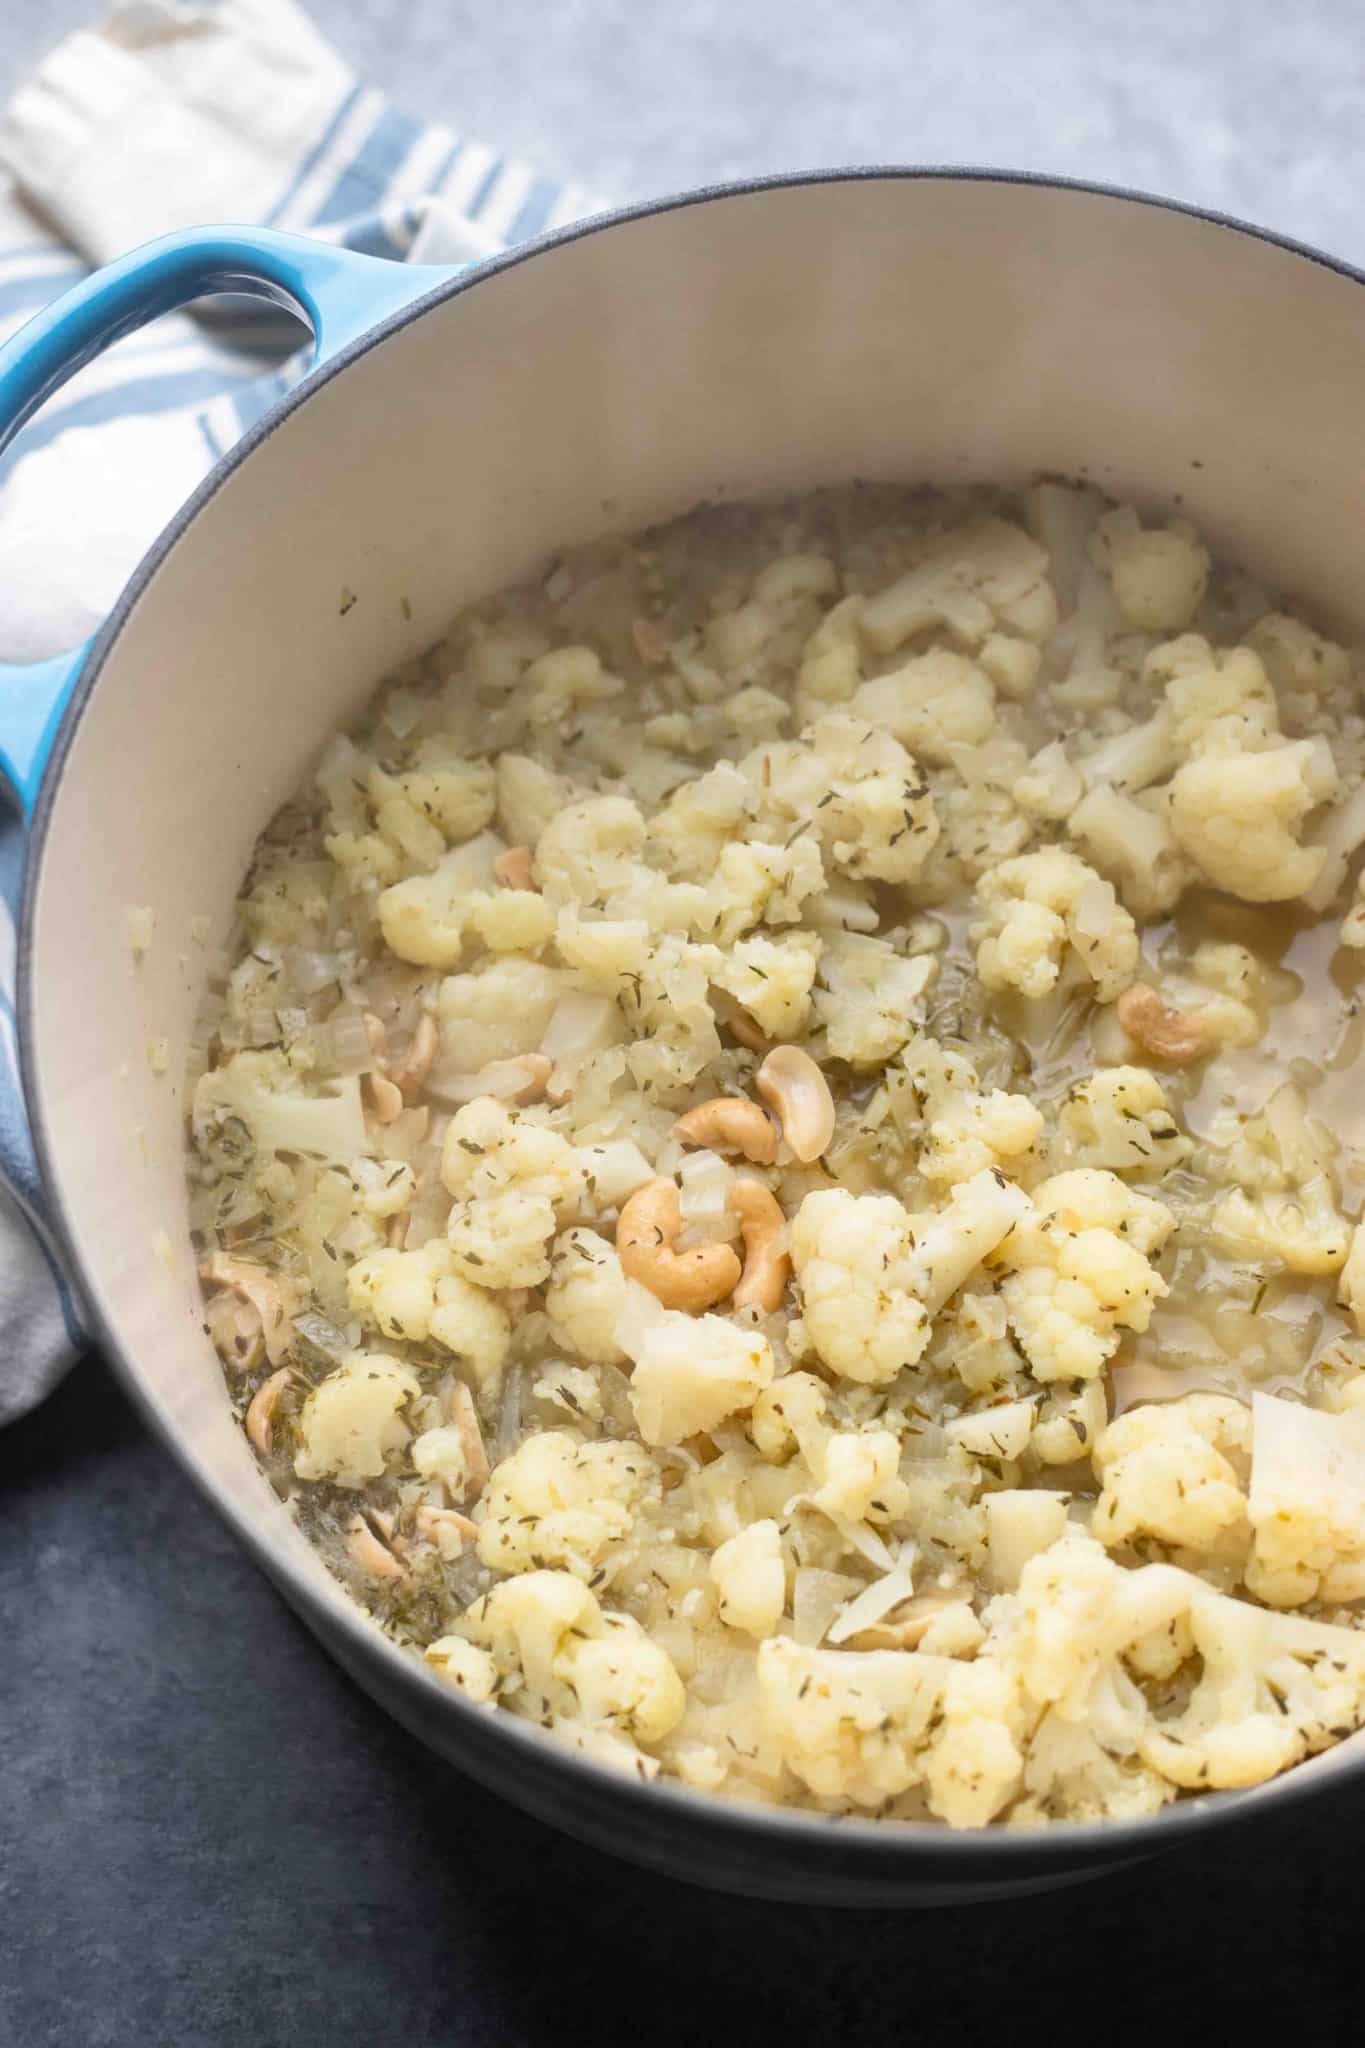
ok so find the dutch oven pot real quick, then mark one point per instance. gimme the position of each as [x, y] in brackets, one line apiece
[456, 429]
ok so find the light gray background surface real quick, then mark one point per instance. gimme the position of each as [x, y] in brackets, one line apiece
[1255, 107]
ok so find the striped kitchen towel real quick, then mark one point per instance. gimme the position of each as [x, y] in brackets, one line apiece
[171, 114]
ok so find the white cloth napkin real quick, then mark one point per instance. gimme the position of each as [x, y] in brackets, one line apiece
[177, 113]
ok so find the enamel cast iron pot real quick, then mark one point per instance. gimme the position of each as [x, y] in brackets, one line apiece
[456, 430]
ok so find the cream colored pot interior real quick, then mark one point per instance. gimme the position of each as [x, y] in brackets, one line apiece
[926, 328]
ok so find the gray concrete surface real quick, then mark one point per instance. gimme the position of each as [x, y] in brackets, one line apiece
[1250, 106]
[208, 1839]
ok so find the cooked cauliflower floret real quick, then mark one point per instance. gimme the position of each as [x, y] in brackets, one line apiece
[259, 1095]
[1159, 576]
[352, 1423]
[1077, 1272]
[691, 1372]
[1307, 1503]
[502, 1240]
[418, 1296]
[873, 1276]
[1273, 1688]
[868, 997]
[965, 1127]
[771, 979]
[850, 785]
[493, 1012]
[1039, 905]
[861, 1726]
[1298, 660]
[750, 1577]
[936, 702]
[428, 917]
[1120, 1119]
[469, 1669]
[1236, 816]
[586, 1295]
[558, 1502]
[569, 1663]
[859, 1476]
[978, 576]
[490, 1149]
[1166, 1473]
[1282, 1203]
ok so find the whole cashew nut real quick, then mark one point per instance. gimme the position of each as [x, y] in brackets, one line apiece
[432, 1525]
[415, 1065]
[464, 1416]
[1177, 1036]
[790, 1080]
[260, 1414]
[762, 1225]
[646, 1232]
[273, 1297]
[367, 1551]
[388, 1100]
[513, 868]
[730, 1120]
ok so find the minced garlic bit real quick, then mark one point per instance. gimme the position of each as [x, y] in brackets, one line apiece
[774, 1157]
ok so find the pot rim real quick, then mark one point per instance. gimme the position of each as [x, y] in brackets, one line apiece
[866, 1849]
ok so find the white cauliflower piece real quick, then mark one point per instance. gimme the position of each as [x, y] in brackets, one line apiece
[1236, 816]
[1121, 1120]
[771, 979]
[1307, 1503]
[427, 918]
[984, 574]
[493, 1012]
[1020, 1522]
[1159, 576]
[669, 1005]
[395, 1291]
[691, 1372]
[352, 1422]
[1273, 1688]
[565, 1662]
[1166, 1473]
[936, 702]
[873, 1276]
[489, 1149]
[529, 795]
[471, 1323]
[1282, 1203]
[750, 1577]
[964, 1127]
[418, 1296]
[557, 1502]
[469, 1669]
[258, 1094]
[502, 1240]
[586, 1295]
[869, 998]
[1077, 1272]
[859, 1474]
[692, 830]
[1050, 787]
[1216, 699]
[755, 883]
[1132, 842]
[1298, 660]
[862, 1726]
[1038, 905]
[853, 788]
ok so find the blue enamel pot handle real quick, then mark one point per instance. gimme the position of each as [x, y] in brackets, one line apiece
[338, 293]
